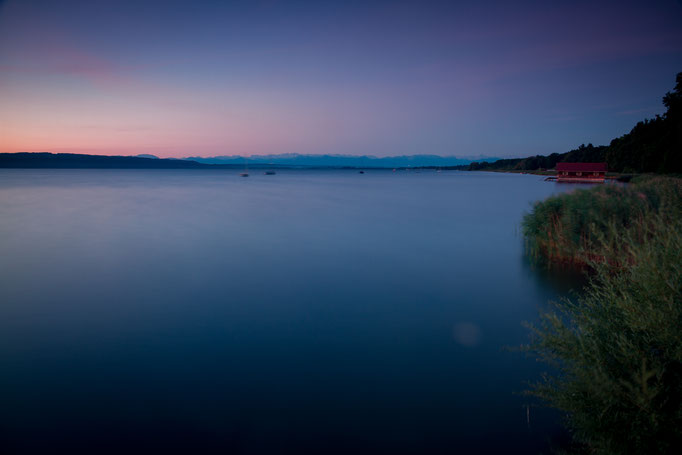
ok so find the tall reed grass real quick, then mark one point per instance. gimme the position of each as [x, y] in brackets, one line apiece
[585, 225]
[616, 352]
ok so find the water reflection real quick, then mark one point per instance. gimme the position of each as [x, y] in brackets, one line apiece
[467, 334]
[304, 312]
[565, 280]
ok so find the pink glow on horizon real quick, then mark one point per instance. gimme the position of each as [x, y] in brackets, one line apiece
[406, 81]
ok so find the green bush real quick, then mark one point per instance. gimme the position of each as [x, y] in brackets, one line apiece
[584, 226]
[617, 351]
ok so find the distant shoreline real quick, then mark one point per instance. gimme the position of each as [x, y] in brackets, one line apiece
[25, 160]
[82, 161]
[45, 160]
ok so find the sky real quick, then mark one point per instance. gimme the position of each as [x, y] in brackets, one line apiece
[385, 78]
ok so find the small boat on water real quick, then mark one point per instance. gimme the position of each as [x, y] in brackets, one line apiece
[361, 172]
[246, 169]
[269, 172]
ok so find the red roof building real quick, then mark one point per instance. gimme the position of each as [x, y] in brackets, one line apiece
[581, 172]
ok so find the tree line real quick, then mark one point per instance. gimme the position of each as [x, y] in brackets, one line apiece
[653, 145]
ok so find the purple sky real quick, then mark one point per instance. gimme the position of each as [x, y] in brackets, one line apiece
[207, 78]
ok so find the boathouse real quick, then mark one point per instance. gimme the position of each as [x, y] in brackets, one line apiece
[581, 172]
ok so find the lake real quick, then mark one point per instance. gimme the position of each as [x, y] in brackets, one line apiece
[311, 311]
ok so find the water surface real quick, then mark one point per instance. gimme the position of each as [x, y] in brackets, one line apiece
[305, 312]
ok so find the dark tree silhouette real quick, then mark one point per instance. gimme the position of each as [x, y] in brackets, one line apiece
[653, 145]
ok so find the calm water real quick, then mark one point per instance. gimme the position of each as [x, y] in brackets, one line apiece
[305, 312]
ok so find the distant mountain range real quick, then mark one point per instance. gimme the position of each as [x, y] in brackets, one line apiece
[145, 161]
[363, 161]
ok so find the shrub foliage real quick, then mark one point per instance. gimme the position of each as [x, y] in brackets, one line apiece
[617, 350]
[586, 225]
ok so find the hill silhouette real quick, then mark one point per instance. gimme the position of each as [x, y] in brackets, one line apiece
[80, 161]
[76, 161]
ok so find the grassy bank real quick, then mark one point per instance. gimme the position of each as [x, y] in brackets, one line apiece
[587, 224]
[616, 352]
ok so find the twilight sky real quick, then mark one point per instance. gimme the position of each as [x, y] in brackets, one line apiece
[187, 78]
